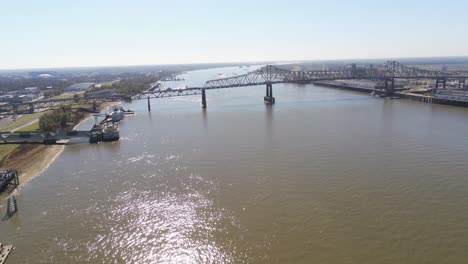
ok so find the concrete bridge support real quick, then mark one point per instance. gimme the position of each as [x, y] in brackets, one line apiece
[462, 84]
[203, 98]
[440, 81]
[389, 86]
[269, 99]
[12, 207]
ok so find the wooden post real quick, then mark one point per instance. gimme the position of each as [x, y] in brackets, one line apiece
[12, 206]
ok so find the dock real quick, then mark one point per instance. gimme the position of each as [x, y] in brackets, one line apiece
[4, 252]
[433, 99]
[354, 87]
[442, 99]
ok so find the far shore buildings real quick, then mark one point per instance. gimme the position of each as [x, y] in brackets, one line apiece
[23, 95]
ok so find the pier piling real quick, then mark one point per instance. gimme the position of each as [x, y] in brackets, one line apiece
[149, 105]
[12, 207]
[203, 98]
[269, 99]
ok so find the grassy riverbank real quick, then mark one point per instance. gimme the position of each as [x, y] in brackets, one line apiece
[31, 159]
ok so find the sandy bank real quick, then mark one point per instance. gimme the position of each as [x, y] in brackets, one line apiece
[30, 160]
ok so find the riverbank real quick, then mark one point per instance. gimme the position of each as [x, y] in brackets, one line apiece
[453, 98]
[31, 160]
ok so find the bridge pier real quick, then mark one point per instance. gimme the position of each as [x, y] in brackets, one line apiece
[149, 105]
[269, 99]
[12, 207]
[461, 84]
[203, 98]
[440, 81]
[389, 86]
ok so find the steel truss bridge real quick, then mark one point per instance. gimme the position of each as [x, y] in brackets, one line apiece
[269, 75]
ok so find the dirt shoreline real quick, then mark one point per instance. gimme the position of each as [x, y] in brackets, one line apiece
[31, 160]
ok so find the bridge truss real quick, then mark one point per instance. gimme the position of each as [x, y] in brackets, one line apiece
[269, 75]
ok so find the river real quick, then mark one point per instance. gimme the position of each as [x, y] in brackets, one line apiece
[323, 176]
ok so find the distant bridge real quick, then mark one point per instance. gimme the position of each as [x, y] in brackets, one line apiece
[269, 75]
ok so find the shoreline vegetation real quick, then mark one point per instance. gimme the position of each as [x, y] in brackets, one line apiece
[31, 160]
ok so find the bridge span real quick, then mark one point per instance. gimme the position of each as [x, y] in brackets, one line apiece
[268, 75]
[41, 137]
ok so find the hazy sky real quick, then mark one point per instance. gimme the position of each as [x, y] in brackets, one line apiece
[60, 33]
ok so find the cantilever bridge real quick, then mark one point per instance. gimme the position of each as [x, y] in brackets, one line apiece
[269, 75]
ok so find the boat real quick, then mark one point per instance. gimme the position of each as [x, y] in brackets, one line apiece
[110, 132]
[117, 114]
[104, 132]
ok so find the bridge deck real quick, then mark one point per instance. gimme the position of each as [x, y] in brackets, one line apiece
[40, 136]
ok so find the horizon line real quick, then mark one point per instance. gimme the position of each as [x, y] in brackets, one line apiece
[230, 62]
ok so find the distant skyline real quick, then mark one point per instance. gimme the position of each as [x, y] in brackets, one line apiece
[54, 34]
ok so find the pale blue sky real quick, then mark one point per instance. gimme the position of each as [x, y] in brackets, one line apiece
[60, 33]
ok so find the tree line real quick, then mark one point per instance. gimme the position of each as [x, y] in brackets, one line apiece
[59, 118]
[131, 86]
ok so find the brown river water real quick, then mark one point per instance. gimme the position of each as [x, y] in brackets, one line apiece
[323, 176]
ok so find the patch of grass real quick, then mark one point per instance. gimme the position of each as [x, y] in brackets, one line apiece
[32, 127]
[68, 95]
[21, 121]
[297, 68]
[5, 150]
[109, 84]
[87, 106]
